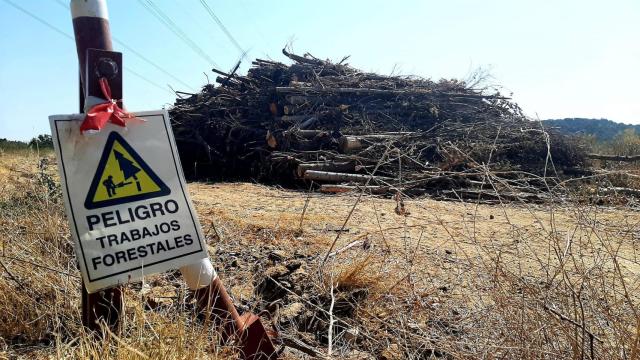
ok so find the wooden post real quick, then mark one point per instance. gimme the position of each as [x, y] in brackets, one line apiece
[91, 29]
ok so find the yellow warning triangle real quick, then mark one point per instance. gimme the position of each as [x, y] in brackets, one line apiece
[122, 177]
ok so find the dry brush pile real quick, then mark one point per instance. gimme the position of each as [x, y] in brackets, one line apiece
[333, 125]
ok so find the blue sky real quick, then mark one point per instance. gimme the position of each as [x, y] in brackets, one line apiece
[571, 58]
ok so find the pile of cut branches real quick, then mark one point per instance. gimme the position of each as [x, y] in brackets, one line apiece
[343, 129]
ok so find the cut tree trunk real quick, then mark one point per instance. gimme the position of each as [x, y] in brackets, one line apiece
[326, 166]
[326, 176]
[628, 158]
[309, 134]
[337, 189]
[349, 144]
[368, 92]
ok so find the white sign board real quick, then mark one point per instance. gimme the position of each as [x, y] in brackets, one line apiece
[126, 199]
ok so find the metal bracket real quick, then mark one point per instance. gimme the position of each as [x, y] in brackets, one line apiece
[103, 63]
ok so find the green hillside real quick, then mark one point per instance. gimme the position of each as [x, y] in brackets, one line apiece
[602, 129]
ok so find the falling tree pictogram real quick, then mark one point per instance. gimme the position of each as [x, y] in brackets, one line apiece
[129, 170]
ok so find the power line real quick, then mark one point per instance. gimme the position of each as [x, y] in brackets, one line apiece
[175, 29]
[188, 11]
[39, 19]
[63, 4]
[253, 23]
[138, 75]
[144, 58]
[61, 32]
[215, 18]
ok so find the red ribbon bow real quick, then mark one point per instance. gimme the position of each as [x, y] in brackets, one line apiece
[99, 114]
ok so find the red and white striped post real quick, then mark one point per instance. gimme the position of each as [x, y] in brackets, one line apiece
[91, 28]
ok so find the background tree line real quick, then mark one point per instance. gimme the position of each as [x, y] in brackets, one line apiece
[601, 135]
[43, 141]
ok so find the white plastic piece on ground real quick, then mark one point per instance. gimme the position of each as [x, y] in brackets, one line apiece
[199, 275]
[89, 8]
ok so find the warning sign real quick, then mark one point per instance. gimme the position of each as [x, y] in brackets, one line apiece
[126, 199]
[122, 176]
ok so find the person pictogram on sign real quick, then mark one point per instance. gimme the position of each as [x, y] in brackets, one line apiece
[110, 185]
[129, 170]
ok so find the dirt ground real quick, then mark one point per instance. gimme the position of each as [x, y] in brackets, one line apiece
[444, 259]
[463, 229]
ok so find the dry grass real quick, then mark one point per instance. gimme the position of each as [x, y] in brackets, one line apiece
[462, 280]
[446, 279]
[39, 285]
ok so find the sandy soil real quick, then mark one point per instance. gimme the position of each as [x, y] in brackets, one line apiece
[518, 234]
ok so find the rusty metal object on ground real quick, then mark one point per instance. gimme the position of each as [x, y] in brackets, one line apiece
[253, 338]
[104, 305]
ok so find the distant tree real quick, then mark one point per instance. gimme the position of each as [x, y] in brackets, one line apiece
[589, 141]
[602, 129]
[42, 141]
[627, 143]
[6, 144]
